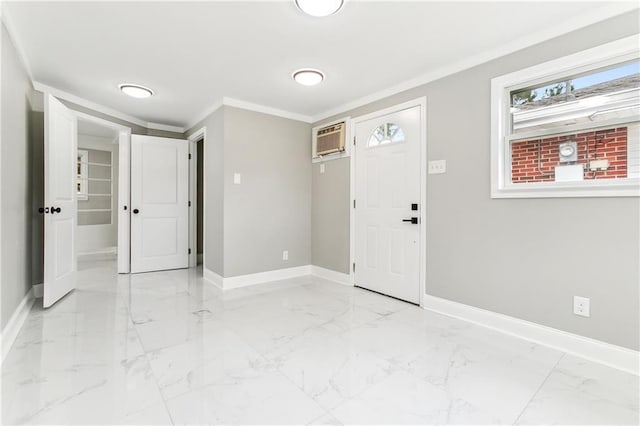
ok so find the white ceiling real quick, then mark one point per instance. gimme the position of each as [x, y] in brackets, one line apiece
[195, 54]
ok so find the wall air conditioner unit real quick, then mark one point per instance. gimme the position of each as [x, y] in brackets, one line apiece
[330, 139]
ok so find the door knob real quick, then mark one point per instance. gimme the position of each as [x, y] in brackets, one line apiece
[43, 210]
[136, 211]
[413, 220]
[55, 210]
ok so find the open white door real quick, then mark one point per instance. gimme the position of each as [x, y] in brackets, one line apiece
[159, 203]
[60, 153]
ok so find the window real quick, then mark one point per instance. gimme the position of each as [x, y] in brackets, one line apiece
[82, 175]
[569, 127]
[386, 134]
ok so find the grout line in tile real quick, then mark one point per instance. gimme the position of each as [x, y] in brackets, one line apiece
[539, 387]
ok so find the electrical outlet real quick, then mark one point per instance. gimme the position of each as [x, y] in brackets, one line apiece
[285, 255]
[581, 306]
[437, 167]
[237, 178]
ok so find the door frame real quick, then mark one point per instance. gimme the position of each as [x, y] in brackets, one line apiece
[422, 103]
[124, 188]
[199, 136]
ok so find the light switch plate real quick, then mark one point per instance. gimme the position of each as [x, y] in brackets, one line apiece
[437, 167]
[321, 168]
[236, 178]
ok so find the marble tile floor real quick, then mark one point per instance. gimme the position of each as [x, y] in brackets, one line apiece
[169, 348]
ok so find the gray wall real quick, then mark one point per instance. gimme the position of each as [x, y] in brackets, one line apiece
[270, 211]
[525, 258]
[331, 205]
[249, 225]
[16, 214]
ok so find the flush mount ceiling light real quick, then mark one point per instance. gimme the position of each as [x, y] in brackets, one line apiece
[308, 76]
[319, 8]
[135, 90]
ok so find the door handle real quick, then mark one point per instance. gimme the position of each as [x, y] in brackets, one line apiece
[136, 211]
[55, 210]
[413, 220]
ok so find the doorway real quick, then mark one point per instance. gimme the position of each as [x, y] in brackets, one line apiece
[389, 202]
[97, 191]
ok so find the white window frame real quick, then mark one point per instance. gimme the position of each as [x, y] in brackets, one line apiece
[83, 194]
[619, 51]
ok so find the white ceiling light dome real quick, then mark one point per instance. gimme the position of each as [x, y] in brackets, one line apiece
[308, 76]
[319, 8]
[135, 90]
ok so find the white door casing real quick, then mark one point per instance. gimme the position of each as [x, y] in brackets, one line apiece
[160, 196]
[60, 153]
[387, 183]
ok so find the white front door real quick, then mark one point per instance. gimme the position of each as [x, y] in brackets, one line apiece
[60, 208]
[159, 203]
[387, 214]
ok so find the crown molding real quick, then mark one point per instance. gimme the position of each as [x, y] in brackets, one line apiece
[571, 24]
[61, 94]
[266, 109]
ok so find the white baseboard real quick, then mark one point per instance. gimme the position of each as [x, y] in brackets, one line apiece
[253, 279]
[108, 253]
[263, 277]
[212, 277]
[38, 290]
[331, 275]
[11, 330]
[594, 350]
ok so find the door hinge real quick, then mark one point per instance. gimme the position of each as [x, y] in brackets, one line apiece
[354, 266]
[189, 156]
[189, 203]
[189, 251]
[354, 140]
[354, 204]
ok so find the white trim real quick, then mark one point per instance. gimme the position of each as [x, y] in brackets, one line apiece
[264, 277]
[38, 291]
[61, 94]
[422, 103]
[195, 257]
[15, 323]
[328, 274]
[596, 57]
[106, 253]
[266, 109]
[212, 277]
[567, 26]
[253, 279]
[124, 201]
[594, 350]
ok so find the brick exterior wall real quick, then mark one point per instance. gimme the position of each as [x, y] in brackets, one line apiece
[609, 144]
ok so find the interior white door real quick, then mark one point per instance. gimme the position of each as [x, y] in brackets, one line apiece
[387, 216]
[60, 211]
[159, 203]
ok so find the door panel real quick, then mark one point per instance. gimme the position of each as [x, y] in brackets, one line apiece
[60, 144]
[160, 195]
[387, 172]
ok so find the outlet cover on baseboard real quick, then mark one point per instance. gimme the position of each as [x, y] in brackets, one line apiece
[285, 255]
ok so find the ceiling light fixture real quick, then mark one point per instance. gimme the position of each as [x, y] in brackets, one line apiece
[308, 76]
[319, 8]
[135, 90]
